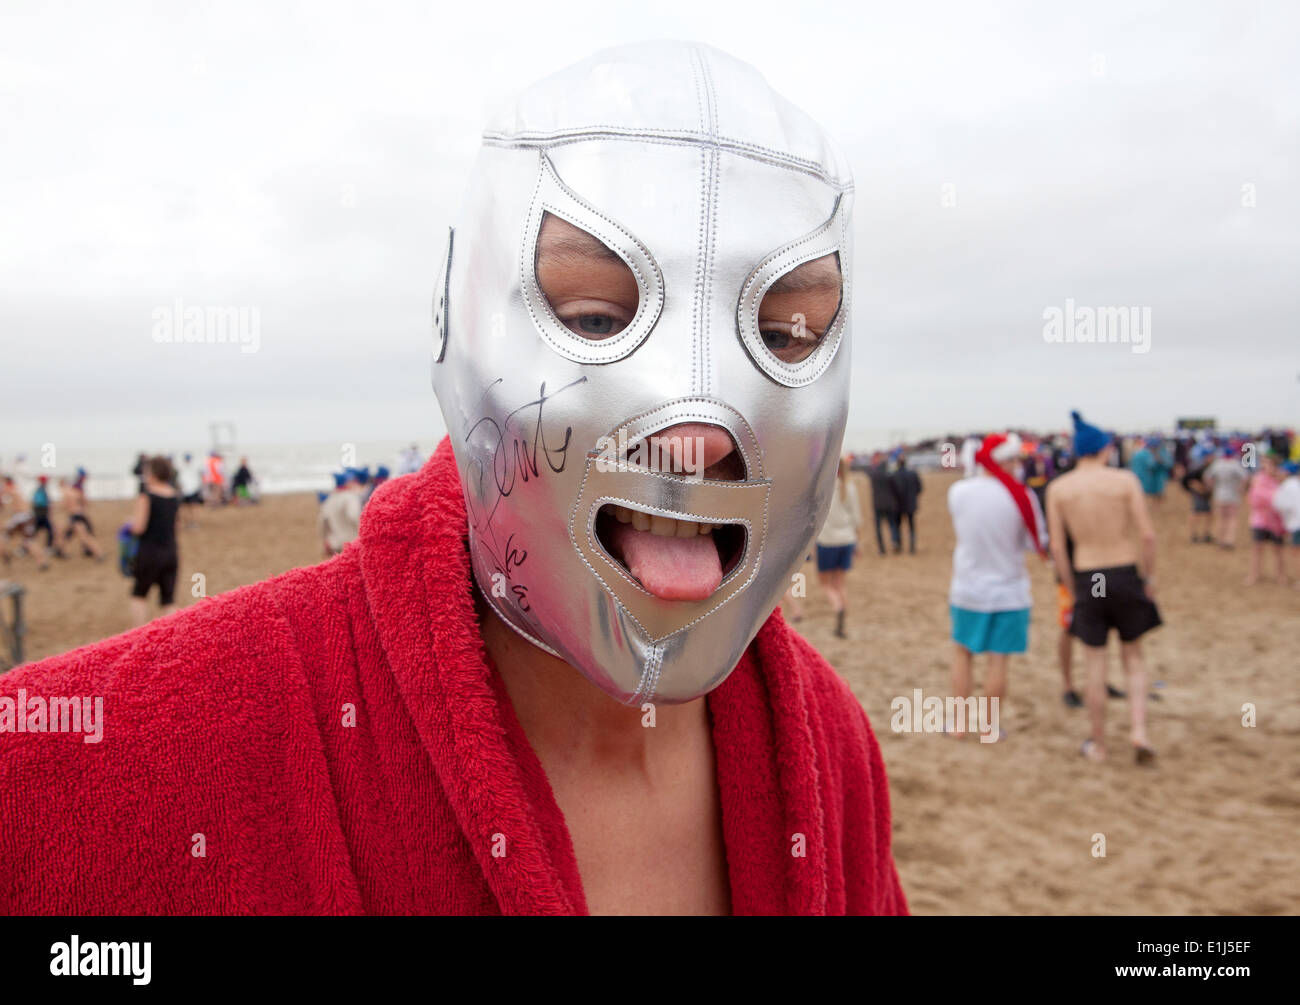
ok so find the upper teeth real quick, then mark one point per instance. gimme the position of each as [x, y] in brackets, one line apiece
[661, 526]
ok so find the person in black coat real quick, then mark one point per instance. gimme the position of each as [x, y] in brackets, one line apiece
[884, 499]
[907, 492]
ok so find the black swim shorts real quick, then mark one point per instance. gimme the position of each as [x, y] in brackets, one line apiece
[1111, 598]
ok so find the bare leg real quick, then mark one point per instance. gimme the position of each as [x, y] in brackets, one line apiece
[1065, 654]
[831, 588]
[1135, 668]
[1230, 524]
[1094, 660]
[88, 542]
[1281, 567]
[1256, 553]
[139, 611]
[996, 685]
[962, 664]
[841, 587]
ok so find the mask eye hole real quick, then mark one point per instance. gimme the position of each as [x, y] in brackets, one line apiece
[589, 287]
[799, 308]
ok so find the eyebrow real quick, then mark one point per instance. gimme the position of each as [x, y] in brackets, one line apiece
[819, 274]
[572, 242]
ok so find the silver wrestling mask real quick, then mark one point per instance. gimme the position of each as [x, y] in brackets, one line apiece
[710, 188]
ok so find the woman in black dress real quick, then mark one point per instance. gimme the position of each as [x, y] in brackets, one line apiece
[154, 522]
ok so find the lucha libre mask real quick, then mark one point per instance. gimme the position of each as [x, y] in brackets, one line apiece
[709, 189]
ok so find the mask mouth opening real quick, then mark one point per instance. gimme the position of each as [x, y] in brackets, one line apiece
[672, 559]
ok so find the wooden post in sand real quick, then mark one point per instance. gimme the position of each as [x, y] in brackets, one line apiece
[12, 635]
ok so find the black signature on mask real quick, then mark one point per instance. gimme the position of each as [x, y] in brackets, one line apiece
[515, 452]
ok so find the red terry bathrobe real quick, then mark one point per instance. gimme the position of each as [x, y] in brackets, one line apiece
[333, 741]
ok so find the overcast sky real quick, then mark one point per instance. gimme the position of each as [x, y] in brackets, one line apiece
[305, 159]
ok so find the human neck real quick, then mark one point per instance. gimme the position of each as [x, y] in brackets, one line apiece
[566, 716]
[1090, 461]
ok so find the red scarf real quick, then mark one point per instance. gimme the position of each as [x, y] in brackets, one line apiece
[1018, 492]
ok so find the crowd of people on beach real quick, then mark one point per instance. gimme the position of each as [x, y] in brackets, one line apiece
[1082, 501]
[29, 509]
[339, 517]
[44, 520]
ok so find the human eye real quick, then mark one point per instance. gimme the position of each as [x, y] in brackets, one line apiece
[594, 324]
[590, 289]
[799, 308]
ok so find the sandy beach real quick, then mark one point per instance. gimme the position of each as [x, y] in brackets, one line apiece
[1003, 828]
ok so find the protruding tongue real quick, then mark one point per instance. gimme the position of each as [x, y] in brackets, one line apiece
[672, 568]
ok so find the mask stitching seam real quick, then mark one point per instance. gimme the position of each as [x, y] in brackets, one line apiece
[821, 357]
[697, 287]
[573, 517]
[531, 286]
[679, 137]
[714, 176]
[667, 406]
[653, 661]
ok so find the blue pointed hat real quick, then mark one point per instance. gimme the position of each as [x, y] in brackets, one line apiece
[1088, 439]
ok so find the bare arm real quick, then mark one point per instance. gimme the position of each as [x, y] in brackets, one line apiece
[140, 514]
[1056, 532]
[1146, 532]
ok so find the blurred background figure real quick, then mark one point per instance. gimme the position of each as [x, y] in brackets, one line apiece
[1227, 479]
[1287, 503]
[214, 480]
[189, 481]
[243, 486]
[837, 542]
[907, 492]
[339, 520]
[1266, 528]
[79, 527]
[410, 461]
[1198, 488]
[16, 522]
[1151, 463]
[157, 557]
[884, 502]
[41, 516]
[996, 520]
[141, 459]
[380, 476]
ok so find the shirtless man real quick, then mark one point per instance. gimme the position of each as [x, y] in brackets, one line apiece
[79, 526]
[1111, 578]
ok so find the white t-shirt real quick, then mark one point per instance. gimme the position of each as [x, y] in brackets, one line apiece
[189, 478]
[1228, 479]
[1286, 500]
[988, 565]
[969, 448]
